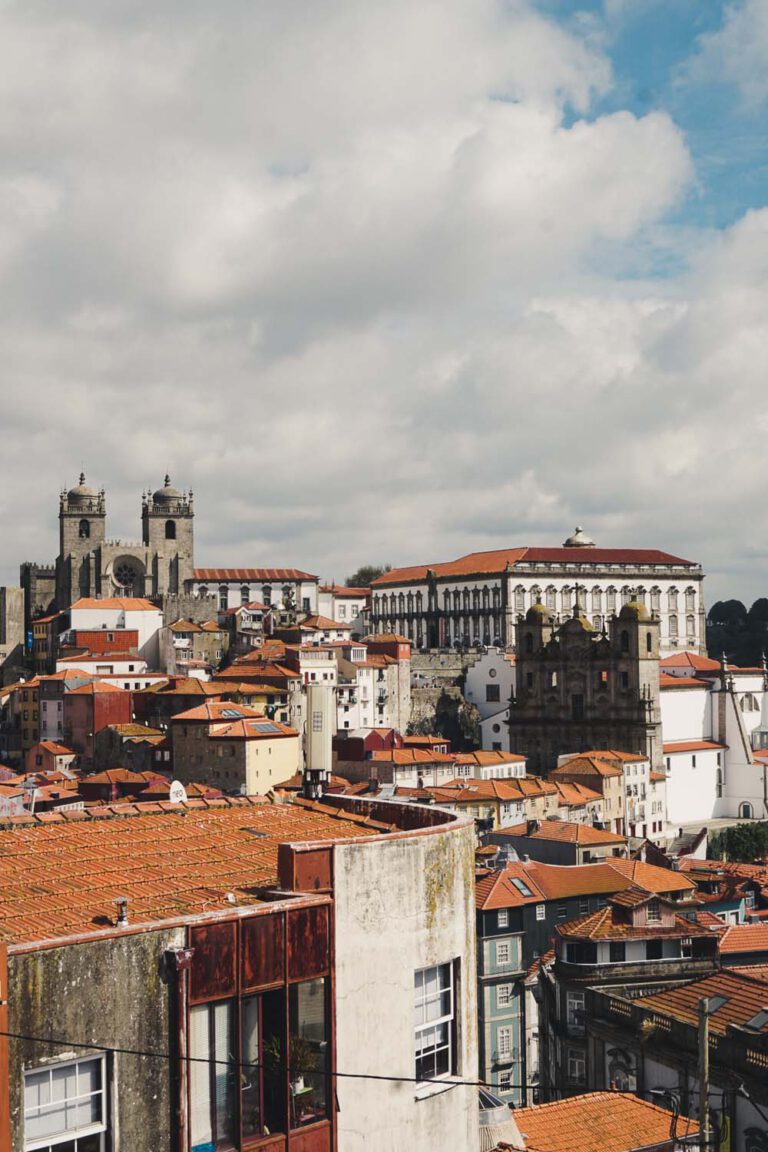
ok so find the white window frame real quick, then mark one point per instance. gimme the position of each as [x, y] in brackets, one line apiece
[541, 912]
[504, 1041]
[575, 1004]
[68, 1136]
[577, 1066]
[502, 952]
[434, 1019]
[504, 995]
[503, 913]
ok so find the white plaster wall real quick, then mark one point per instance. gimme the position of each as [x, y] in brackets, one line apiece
[487, 735]
[148, 625]
[491, 668]
[400, 905]
[686, 714]
[691, 792]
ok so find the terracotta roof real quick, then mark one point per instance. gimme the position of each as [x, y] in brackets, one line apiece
[166, 866]
[257, 574]
[652, 878]
[498, 889]
[575, 795]
[343, 592]
[96, 686]
[410, 756]
[484, 759]
[690, 660]
[217, 710]
[756, 972]
[570, 833]
[745, 997]
[587, 765]
[120, 603]
[611, 923]
[745, 938]
[692, 746]
[677, 682]
[559, 881]
[598, 1122]
[54, 748]
[497, 561]
[657, 777]
[325, 623]
[186, 687]
[258, 729]
[134, 730]
[114, 776]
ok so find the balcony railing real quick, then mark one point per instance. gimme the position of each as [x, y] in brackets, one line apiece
[504, 1059]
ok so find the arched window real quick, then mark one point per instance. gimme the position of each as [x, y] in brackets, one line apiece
[496, 597]
[610, 598]
[266, 593]
[456, 601]
[84, 530]
[672, 599]
[376, 603]
[419, 601]
[640, 595]
[690, 627]
[535, 594]
[223, 598]
[202, 590]
[553, 680]
[446, 601]
[551, 597]
[597, 623]
[567, 598]
[648, 642]
[466, 599]
[528, 642]
[519, 598]
[625, 641]
[655, 599]
[626, 594]
[745, 811]
[170, 529]
[401, 603]
[748, 703]
[245, 594]
[673, 626]
[597, 598]
[486, 597]
[475, 599]
[690, 599]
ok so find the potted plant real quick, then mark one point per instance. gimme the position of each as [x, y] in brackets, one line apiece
[302, 1061]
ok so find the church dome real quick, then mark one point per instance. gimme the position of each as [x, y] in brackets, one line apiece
[538, 612]
[167, 493]
[81, 492]
[634, 610]
[578, 540]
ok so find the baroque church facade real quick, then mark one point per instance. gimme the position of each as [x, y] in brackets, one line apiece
[91, 565]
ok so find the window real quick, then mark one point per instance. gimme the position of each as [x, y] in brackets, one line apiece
[574, 1009]
[223, 598]
[618, 951]
[562, 911]
[492, 693]
[653, 950]
[65, 1107]
[654, 912]
[502, 952]
[503, 918]
[583, 907]
[503, 1043]
[577, 1066]
[170, 529]
[433, 1014]
[503, 995]
[540, 911]
[505, 1081]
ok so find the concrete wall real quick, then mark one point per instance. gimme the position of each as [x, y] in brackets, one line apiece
[110, 992]
[402, 904]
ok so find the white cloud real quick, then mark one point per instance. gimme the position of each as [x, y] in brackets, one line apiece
[737, 53]
[336, 266]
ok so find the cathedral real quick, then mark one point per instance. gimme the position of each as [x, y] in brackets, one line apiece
[88, 564]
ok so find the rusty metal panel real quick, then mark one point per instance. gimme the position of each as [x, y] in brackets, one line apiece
[309, 871]
[5, 1116]
[262, 955]
[213, 974]
[308, 942]
[314, 1139]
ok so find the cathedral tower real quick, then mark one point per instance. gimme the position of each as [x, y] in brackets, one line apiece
[82, 520]
[167, 517]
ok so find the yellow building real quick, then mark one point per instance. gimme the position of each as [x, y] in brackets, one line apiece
[233, 747]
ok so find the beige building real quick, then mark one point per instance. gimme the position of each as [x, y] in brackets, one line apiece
[233, 748]
[601, 773]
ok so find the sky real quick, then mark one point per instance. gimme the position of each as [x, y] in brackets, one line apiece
[389, 283]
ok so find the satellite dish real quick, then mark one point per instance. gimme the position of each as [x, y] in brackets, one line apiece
[177, 793]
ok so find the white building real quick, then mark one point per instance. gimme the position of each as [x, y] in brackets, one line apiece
[114, 613]
[476, 599]
[274, 587]
[342, 604]
[489, 682]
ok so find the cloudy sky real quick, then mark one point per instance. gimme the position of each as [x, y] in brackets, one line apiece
[389, 282]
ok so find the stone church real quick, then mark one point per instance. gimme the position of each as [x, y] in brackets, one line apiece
[579, 689]
[88, 564]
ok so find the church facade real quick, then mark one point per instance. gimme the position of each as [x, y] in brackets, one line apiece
[91, 565]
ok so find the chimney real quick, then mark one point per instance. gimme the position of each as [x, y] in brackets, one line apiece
[122, 911]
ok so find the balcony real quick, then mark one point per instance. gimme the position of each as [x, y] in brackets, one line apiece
[504, 1059]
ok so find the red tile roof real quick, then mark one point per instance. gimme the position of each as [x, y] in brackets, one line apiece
[692, 746]
[611, 923]
[497, 561]
[677, 682]
[498, 890]
[598, 1122]
[745, 938]
[591, 765]
[569, 833]
[325, 624]
[561, 881]
[256, 574]
[121, 603]
[166, 866]
[217, 710]
[690, 660]
[745, 997]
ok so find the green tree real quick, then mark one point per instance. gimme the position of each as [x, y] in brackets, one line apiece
[728, 612]
[759, 611]
[744, 843]
[366, 574]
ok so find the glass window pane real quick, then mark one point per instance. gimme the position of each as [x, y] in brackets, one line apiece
[64, 1083]
[47, 1123]
[87, 1144]
[224, 1074]
[88, 1076]
[307, 1052]
[200, 1076]
[249, 1073]
[37, 1089]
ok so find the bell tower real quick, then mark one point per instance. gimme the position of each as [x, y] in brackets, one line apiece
[167, 527]
[82, 524]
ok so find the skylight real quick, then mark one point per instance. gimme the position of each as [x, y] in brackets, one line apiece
[758, 1022]
[522, 888]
